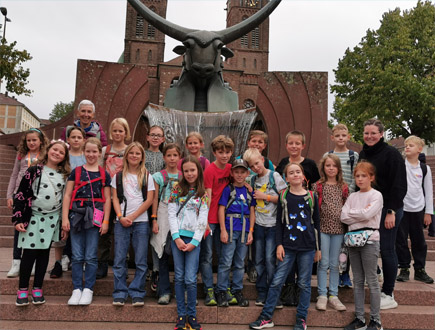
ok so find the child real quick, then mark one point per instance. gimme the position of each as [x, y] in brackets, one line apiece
[417, 211]
[85, 212]
[266, 185]
[332, 193]
[133, 194]
[187, 213]
[194, 144]
[113, 154]
[362, 210]
[258, 139]
[31, 147]
[37, 206]
[236, 214]
[62, 250]
[164, 181]
[297, 228]
[216, 178]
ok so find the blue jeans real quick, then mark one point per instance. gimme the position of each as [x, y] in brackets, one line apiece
[265, 258]
[233, 253]
[330, 247]
[388, 251]
[206, 256]
[84, 245]
[164, 286]
[305, 266]
[186, 269]
[138, 233]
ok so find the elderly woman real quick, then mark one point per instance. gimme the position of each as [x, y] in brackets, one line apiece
[391, 182]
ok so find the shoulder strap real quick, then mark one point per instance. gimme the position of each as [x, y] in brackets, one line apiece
[272, 181]
[232, 196]
[107, 152]
[103, 177]
[424, 171]
[319, 193]
[253, 179]
[78, 175]
[266, 162]
[189, 196]
[351, 160]
[283, 200]
[119, 187]
[310, 198]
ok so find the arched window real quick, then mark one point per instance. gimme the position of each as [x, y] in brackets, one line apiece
[244, 62]
[139, 26]
[150, 55]
[151, 30]
[255, 38]
[244, 42]
[138, 55]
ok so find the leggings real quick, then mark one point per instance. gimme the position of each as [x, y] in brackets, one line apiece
[29, 257]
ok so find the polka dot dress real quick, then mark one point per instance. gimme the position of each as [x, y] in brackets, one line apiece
[44, 224]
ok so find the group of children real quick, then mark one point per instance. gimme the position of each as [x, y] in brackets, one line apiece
[293, 216]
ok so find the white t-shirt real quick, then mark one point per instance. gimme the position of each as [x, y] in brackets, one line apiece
[133, 194]
[415, 200]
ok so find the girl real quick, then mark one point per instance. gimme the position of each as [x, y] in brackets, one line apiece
[37, 206]
[85, 212]
[62, 250]
[133, 194]
[187, 212]
[164, 180]
[363, 211]
[31, 147]
[112, 161]
[297, 240]
[194, 144]
[332, 193]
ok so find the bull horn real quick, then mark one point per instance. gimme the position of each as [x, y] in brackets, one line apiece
[173, 30]
[237, 31]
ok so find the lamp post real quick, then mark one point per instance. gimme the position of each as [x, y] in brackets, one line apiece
[4, 12]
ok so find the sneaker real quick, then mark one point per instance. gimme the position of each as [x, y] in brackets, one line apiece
[22, 298]
[230, 298]
[380, 274]
[336, 303]
[102, 270]
[192, 322]
[164, 299]
[57, 270]
[241, 301]
[387, 301]
[421, 275]
[374, 325]
[252, 275]
[300, 325]
[222, 299]
[403, 275]
[137, 302]
[86, 298]
[154, 280]
[118, 302]
[321, 303]
[75, 297]
[356, 324]
[260, 301]
[345, 281]
[181, 323]
[37, 297]
[65, 263]
[279, 304]
[262, 323]
[15, 268]
[210, 299]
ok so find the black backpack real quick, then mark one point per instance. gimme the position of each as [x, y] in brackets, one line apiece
[120, 189]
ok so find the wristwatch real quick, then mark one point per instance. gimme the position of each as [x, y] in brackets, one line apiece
[390, 211]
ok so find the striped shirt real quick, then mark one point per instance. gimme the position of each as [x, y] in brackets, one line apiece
[345, 166]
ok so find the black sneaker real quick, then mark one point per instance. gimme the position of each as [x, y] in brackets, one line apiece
[154, 280]
[241, 301]
[222, 299]
[421, 275]
[137, 302]
[262, 323]
[300, 325]
[22, 298]
[118, 302]
[403, 275]
[192, 322]
[356, 324]
[56, 272]
[374, 325]
[279, 304]
[37, 296]
[181, 323]
[260, 301]
[102, 270]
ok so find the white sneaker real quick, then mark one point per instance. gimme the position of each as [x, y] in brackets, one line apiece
[388, 302]
[65, 263]
[75, 297]
[15, 268]
[321, 303]
[86, 297]
[336, 303]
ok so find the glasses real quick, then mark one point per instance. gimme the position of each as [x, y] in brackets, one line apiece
[155, 136]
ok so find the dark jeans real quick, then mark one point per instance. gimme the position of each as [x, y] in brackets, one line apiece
[164, 286]
[388, 251]
[30, 256]
[412, 225]
[105, 241]
[17, 251]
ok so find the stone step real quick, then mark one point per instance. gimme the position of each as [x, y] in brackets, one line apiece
[6, 220]
[7, 230]
[101, 309]
[4, 210]
[6, 241]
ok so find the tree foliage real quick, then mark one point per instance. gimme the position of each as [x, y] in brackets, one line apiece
[60, 110]
[391, 75]
[11, 70]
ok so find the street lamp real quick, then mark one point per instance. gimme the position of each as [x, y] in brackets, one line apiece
[4, 12]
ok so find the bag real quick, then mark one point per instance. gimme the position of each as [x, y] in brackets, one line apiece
[114, 163]
[343, 257]
[97, 219]
[290, 294]
[357, 238]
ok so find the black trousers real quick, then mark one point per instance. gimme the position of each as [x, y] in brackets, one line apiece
[30, 256]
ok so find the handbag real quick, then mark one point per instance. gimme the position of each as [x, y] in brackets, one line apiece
[358, 238]
[343, 257]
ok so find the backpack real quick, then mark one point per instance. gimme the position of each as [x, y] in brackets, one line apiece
[271, 182]
[319, 190]
[424, 171]
[233, 197]
[113, 164]
[231, 200]
[166, 180]
[79, 184]
[351, 160]
[120, 189]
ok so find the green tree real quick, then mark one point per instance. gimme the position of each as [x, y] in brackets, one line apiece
[60, 110]
[11, 69]
[390, 75]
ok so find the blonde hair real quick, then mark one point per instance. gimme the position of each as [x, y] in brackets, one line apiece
[259, 133]
[413, 138]
[337, 162]
[124, 124]
[250, 154]
[222, 142]
[142, 171]
[295, 133]
[195, 135]
[340, 127]
[95, 141]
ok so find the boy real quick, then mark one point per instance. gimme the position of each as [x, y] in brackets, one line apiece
[258, 139]
[266, 185]
[236, 214]
[417, 211]
[348, 158]
[216, 177]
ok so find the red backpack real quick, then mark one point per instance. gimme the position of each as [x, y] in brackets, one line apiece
[79, 184]
[319, 190]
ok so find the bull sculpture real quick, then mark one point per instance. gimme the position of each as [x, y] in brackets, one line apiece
[201, 86]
